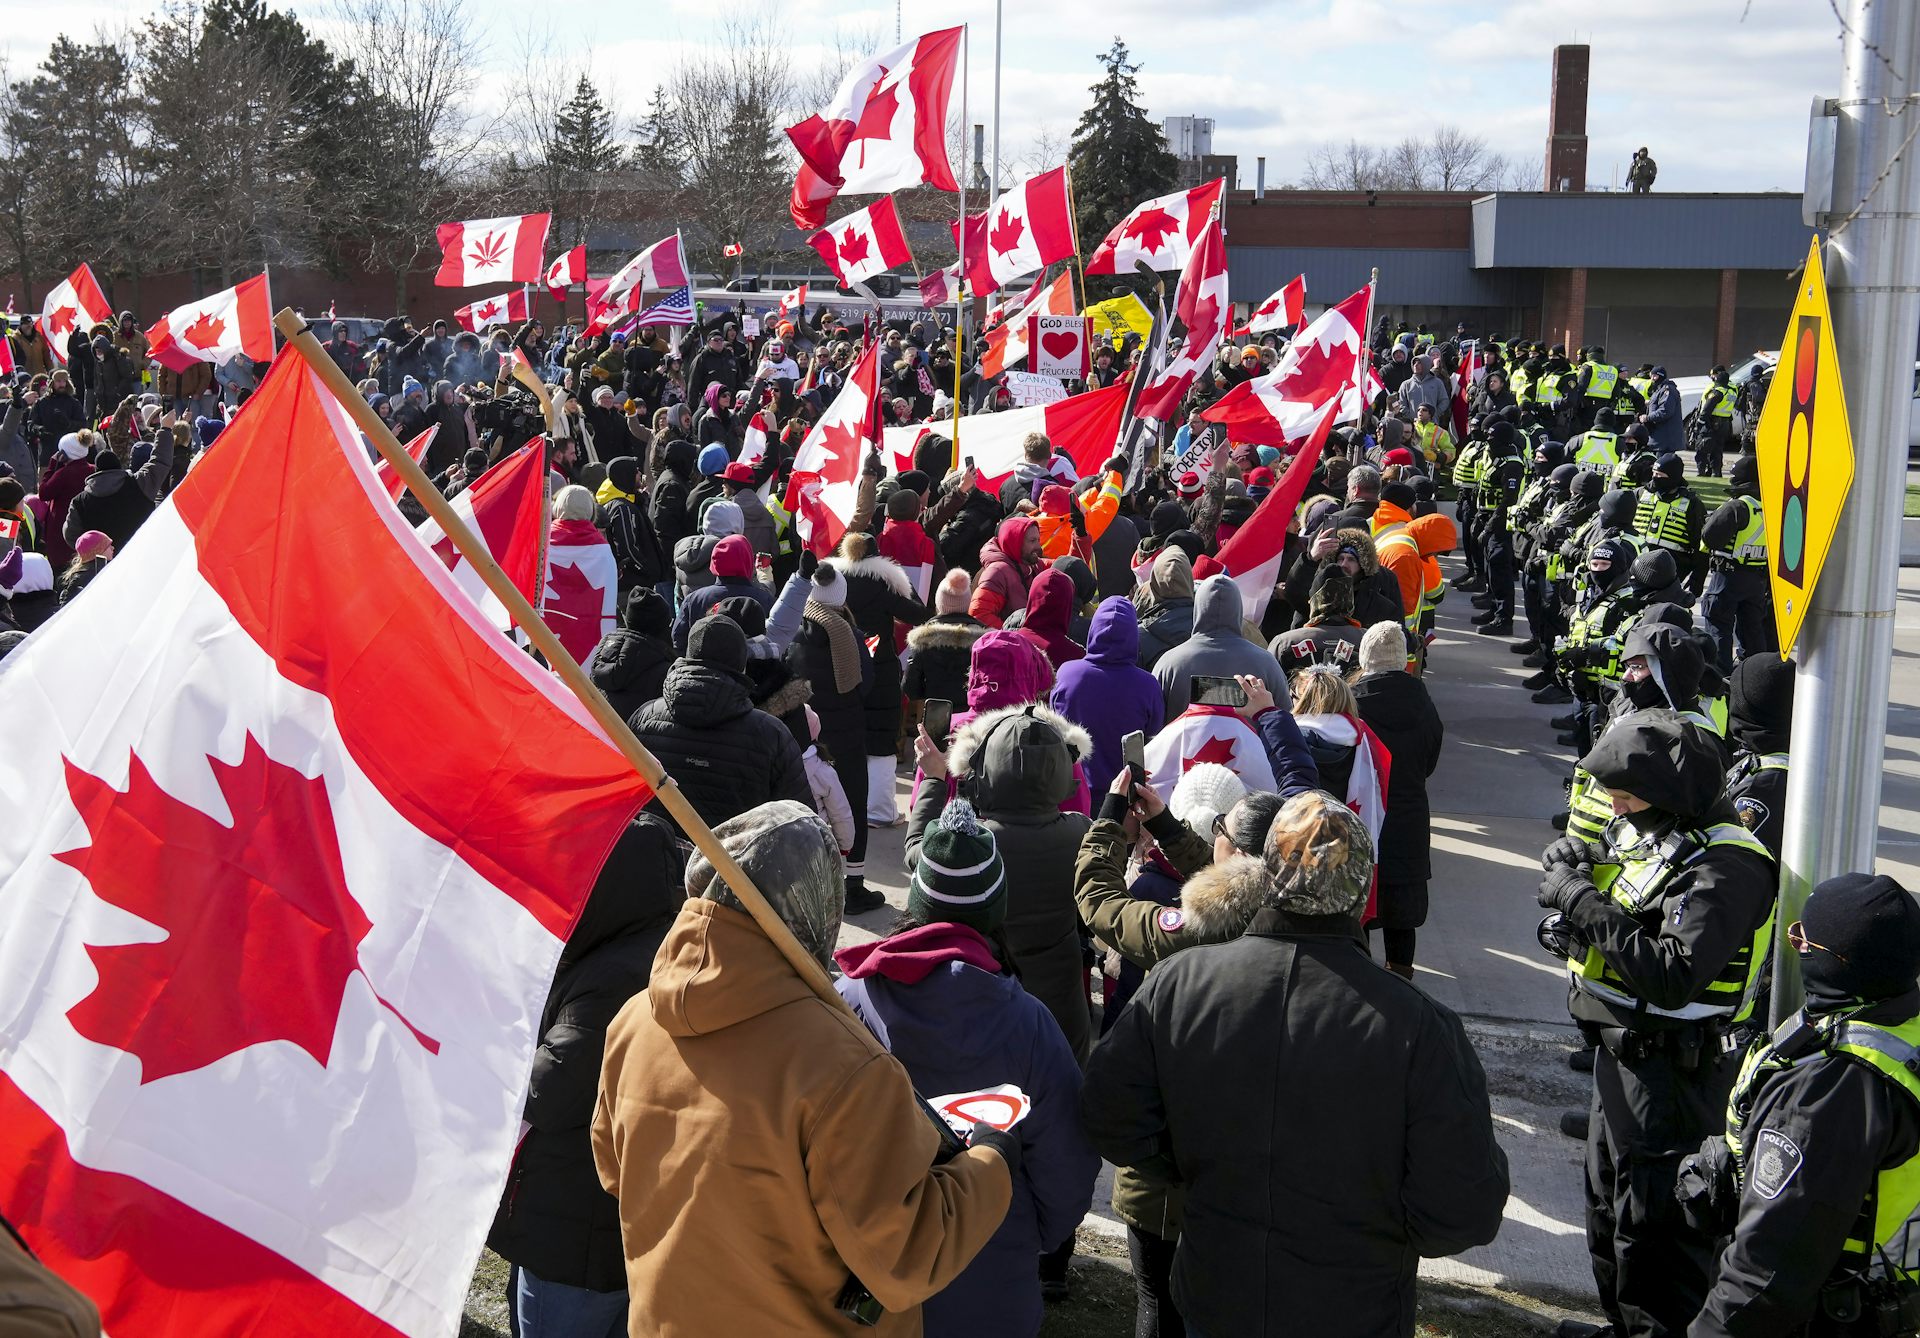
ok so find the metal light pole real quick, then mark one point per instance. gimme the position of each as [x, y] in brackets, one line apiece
[1846, 645]
[993, 182]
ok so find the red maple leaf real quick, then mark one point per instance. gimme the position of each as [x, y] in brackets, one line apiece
[1268, 307]
[262, 930]
[848, 255]
[1151, 228]
[876, 118]
[1317, 372]
[1006, 233]
[61, 322]
[1205, 321]
[574, 608]
[841, 441]
[1218, 749]
[488, 251]
[205, 331]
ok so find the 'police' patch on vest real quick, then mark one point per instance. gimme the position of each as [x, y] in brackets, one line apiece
[1776, 1158]
[1171, 920]
[1752, 812]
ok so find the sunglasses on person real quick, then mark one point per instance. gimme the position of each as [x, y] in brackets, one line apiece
[1797, 936]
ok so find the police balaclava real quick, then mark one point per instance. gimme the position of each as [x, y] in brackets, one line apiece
[1760, 703]
[1500, 438]
[1616, 509]
[1673, 661]
[1561, 479]
[1744, 476]
[1667, 474]
[1607, 562]
[1588, 486]
[1655, 570]
[1863, 937]
[1547, 457]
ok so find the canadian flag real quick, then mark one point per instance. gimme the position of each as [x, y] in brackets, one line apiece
[567, 269]
[75, 303]
[1010, 302]
[1162, 232]
[236, 320]
[1204, 310]
[660, 267]
[1208, 733]
[500, 309]
[274, 965]
[1320, 365]
[1007, 343]
[1366, 783]
[1083, 425]
[940, 286]
[492, 250]
[417, 451]
[507, 508]
[753, 442]
[1026, 229]
[582, 581]
[1254, 554]
[884, 130]
[826, 470]
[791, 303]
[1463, 382]
[732, 249]
[1284, 309]
[864, 244]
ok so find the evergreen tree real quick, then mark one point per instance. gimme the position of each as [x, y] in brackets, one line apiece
[660, 151]
[583, 140]
[1120, 157]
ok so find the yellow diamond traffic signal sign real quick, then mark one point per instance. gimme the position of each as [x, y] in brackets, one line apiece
[1805, 451]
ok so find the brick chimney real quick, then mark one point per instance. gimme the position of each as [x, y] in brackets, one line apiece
[1567, 120]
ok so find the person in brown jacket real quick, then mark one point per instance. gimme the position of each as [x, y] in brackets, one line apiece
[764, 1147]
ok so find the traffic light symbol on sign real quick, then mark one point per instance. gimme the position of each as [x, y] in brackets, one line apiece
[1791, 555]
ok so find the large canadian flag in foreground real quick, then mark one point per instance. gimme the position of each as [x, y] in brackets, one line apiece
[825, 486]
[1162, 232]
[884, 130]
[1206, 733]
[1282, 407]
[280, 924]
[582, 585]
[215, 329]
[75, 303]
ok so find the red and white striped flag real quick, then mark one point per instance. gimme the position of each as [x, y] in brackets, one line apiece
[659, 268]
[507, 508]
[884, 130]
[568, 268]
[1322, 364]
[1007, 342]
[506, 308]
[1026, 229]
[1205, 311]
[416, 449]
[1284, 309]
[826, 469]
[492, 250]
[274, 965]
[233, 321]
[1162, 232]
[1208, 733]
[863, 244]
[75, 303]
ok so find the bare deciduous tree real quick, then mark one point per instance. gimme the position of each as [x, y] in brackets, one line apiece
[1447, 159]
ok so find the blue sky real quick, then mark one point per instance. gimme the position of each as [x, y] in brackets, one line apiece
[1718, 88]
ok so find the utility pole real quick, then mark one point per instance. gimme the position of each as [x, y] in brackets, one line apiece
[993, 182]
[1845, 648]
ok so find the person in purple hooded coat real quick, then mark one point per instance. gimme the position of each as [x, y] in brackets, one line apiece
[1107, 693]
[1008, 669]
[938, 994]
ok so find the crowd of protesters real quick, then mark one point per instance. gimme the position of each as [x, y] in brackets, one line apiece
[1167, 845]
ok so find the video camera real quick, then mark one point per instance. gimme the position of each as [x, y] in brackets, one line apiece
[513, 418]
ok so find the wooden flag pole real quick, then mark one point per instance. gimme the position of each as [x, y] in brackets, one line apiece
[1073, 222]
[475, 552]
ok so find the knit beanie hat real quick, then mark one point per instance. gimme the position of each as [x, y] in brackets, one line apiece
[1319, 856]
[713, 458]
[1398, 494]
[1869, 928]
[106, 462]
[1203, 794]
[718, 641]
[829, 587]
[1331, 597]
[1166, 518]
[903, 505]
[954, 593]
[647, 612]
[573, 502]
[960, 878]
[1383, 649]
[623, 472]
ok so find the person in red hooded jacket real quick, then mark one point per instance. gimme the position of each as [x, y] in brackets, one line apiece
[1049, 610]
[1008, 563]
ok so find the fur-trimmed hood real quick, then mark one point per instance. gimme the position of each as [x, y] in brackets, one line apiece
[1362, 544]
[796, 692]
[857, 558]
[1221, 899]
[1018, 758]
[946, 631]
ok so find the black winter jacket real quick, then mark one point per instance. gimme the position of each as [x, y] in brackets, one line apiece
[630, 668]
[554, 1218]
[727, 756]
[1328, 1121]
[940, 657]
[1396, 706]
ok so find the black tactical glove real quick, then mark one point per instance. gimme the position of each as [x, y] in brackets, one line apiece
[1567, 850]
[1001, 1141]
[809, 561]
[1566, 886]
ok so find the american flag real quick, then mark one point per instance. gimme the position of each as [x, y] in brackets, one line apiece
[676, 308]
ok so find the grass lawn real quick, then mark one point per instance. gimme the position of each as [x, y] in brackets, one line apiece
[1102, 1303]
[1712, 492]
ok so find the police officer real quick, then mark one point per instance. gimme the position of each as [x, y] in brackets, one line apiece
[1713, 425]
[1666, 923]
[1738, 603]
[1760, 728]
[1598, 448]
[1669, 516]
[1750, 401]
[1819, 1167]
[1545, 493]
[1561, 524]
[1499, 492]
[1602, 631]
[1468, 467]
[1593, 387]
